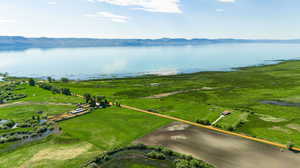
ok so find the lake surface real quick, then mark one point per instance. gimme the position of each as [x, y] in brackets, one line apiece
[103, 62]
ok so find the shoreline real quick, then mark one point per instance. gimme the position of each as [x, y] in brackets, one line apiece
[149, 74]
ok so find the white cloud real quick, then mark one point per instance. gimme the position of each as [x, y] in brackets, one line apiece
[52, 3]
[227, 1]
[110, 16]
[5, 20]
[164, 6]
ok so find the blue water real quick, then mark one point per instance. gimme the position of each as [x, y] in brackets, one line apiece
[87, 63]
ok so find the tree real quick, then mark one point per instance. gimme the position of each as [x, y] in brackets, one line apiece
[50, 80]
[100, 98]
[65, 80]
[38, 118]
[87, 97]
[5, 74]
[66, 91]
[93, 101]
[31, 82]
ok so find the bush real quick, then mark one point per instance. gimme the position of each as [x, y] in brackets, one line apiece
[181, 163]
[192, 163]
[204, 122]
[156, 155]
[290, 146]
[31, 82]
[66, 91]
[65, 80]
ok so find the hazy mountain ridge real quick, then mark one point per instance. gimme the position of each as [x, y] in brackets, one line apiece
[23, 42]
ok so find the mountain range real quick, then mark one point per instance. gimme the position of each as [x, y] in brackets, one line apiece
[19, 42]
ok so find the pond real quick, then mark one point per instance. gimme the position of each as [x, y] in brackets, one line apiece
[280, 103]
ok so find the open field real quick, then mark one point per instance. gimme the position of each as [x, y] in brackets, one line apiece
[239, 91]
[111, 127]
[194, 97]
[89, 135]
[221, 150]
[23, 112]
[36, 94]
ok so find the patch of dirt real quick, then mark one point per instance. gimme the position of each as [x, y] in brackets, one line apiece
[207, 88]
[223, 151]
[294, 126]
[164, 95]
[276, 128]
[34, 103]
[271, 118]
[178, 137]
[161, 95]
[59, 153]
[11, 104]
[177, 127]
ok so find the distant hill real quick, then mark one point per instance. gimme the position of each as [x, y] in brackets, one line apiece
[19, 42]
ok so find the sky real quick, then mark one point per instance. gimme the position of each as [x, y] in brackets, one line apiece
[248, 19]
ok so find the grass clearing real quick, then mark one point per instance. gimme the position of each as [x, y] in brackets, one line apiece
[23, 112]
[111, 127]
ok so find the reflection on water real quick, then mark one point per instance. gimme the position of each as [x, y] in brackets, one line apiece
[84, 63]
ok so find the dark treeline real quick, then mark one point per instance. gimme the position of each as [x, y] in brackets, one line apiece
[55, 89]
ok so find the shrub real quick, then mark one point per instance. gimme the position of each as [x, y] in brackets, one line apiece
[31, 82]
[66, 91]
[290, 146]
[65, 80]
[156, 155]
[181, 163]
[204, 122]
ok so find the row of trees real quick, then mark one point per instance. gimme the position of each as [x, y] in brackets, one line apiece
[32, 82]
[55, 89]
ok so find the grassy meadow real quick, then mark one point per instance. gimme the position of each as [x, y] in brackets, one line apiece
[207, 94]
[83, 138]
[198, 96]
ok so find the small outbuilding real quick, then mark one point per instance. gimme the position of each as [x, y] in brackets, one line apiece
[225, 113]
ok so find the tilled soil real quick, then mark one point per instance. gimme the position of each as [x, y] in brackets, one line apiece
[223, 151]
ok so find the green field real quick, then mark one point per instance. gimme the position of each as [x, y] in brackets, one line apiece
[239, 91]
[200, 96]
[87, 136]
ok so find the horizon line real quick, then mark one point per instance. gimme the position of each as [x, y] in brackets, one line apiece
[204, 38]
